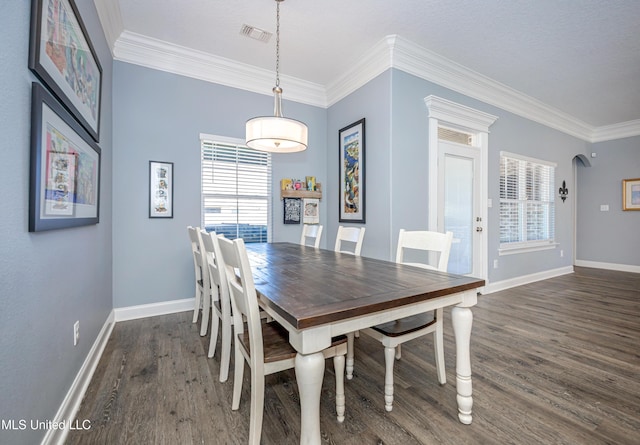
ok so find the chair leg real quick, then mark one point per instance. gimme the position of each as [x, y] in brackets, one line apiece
[350, 360]
[388, 377]
[238, 375]
[206, 305]
[257, 407]
[338, 366]
[196, 310]
[438, 344]
[213, 341]
[226, 352]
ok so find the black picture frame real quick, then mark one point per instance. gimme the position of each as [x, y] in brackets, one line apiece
[292, 210]
[64, 189]
[160, 189]
[352, 177]
[62, 56]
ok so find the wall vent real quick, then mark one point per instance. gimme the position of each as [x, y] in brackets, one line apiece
[255, 33]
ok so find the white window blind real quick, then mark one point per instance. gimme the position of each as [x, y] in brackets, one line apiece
[236, 191]
[527, 208]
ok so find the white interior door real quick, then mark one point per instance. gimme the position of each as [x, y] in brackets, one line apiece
[459, 211]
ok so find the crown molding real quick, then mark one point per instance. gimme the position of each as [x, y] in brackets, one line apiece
[111, 19]
[157, 54]
[391, 52]
[616, 131]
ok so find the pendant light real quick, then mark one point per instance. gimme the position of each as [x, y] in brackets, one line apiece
[276, 134]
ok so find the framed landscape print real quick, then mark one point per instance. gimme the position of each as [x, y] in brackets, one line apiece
[631, 194]
[62, 56]
[352, 173]
[160, 189]
[65, 167]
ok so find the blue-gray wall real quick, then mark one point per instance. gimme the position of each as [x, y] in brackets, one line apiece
[48, 280]
[608, 237]
[372, 102]
[160, 116]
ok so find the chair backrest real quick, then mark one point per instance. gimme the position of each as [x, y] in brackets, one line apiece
[242, 290]
[216, 270]
[353, 235]
[196, 251]
[311, 232]
[424, 240]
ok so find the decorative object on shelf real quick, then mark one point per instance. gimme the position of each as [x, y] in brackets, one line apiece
[160, 189]
[62, 56]
[311, 183]
[352, 173]
[276, 134]
[286, 184]
[631, 194]
[65, 167]
[311, 209]
[292, 209]
[563, 191]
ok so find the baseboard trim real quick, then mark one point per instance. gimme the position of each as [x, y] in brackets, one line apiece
[526, 279]
[608, 266]
[153, 309]
[71, 403]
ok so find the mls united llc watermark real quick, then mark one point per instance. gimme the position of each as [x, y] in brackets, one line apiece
[33, 424]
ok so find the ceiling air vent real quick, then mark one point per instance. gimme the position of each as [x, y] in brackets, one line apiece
[255, 33]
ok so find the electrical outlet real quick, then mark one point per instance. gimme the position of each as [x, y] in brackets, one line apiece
[76, 332]
[495, 264]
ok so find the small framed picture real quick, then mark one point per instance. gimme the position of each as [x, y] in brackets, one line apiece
[311, 211]
[292, 210]
[160, 189]
[631, 194]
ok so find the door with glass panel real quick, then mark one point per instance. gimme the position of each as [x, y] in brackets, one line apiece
[459, 185]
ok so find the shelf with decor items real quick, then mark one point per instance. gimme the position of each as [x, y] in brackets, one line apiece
[297, 189]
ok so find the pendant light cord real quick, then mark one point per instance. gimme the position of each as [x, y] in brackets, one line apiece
[278, 43]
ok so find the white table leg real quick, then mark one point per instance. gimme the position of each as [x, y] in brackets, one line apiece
[309, 374]
[462, 319]
[350, 358]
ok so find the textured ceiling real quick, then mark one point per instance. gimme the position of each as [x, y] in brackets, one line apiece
[581, 57]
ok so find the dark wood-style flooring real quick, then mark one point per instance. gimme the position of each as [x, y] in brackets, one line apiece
[554, 362]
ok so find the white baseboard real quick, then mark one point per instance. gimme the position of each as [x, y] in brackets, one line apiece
[153, 309]
[71, 403]
[525, 279]
[608, 266]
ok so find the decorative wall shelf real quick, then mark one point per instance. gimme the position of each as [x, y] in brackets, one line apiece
[301, 194]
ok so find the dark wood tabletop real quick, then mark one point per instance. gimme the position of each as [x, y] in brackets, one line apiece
[310, 287]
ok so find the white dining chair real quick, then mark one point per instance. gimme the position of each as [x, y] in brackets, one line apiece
[311, 234]
[394, 333]
[349, 237]
[202, 286]
[221, 319]
[264, 346]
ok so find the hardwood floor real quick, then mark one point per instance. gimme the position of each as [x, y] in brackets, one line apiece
[554, 362]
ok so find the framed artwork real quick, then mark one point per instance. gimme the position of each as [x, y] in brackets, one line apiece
[65, 167]
[62, 56]
[292, 209]
[160, 189]
[311, 210]
[631, 194]
[352, 173]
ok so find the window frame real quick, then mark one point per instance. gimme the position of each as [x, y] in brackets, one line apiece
[520, 246]
[208, 142]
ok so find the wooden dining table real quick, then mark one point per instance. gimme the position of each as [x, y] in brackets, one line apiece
[318, 294]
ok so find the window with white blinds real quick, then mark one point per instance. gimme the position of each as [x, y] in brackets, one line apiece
[527, 207]
[236, 191]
